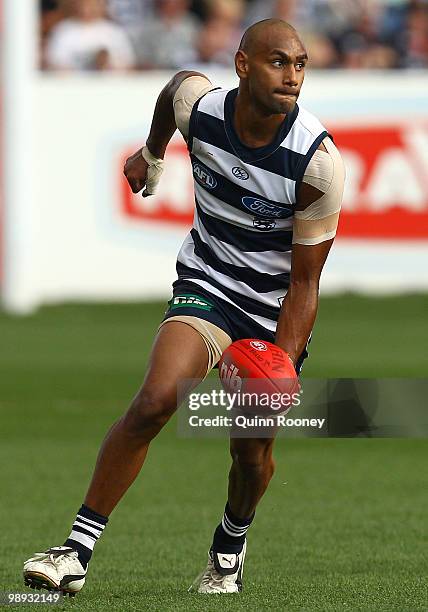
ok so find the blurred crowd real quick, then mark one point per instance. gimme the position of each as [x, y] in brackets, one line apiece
[178, 34]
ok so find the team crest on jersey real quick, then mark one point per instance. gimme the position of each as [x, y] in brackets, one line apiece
[264, 224]
[261, 208]
[240, 173]
[204, 176]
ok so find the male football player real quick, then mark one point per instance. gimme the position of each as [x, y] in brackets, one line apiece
[268, 187]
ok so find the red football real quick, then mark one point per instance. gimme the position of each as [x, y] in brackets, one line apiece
[257, 366]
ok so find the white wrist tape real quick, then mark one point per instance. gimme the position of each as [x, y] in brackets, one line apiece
[154, 172]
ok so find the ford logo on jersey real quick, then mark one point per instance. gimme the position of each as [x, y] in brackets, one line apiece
[204, 176]
[265, 209]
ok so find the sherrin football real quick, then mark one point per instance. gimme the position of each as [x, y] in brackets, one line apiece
[257, 366]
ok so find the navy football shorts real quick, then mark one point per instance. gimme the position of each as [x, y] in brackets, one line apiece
[192, 300]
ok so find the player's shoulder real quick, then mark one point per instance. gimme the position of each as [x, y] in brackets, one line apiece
[304, 133]
[217, 91]
[212, 102]
[309, 122]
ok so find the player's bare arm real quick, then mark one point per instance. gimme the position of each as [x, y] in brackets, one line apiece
[316, 217]
[300, 305]
[161, 131]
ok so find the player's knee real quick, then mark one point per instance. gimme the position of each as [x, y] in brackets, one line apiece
[254, 458]
[148, 413]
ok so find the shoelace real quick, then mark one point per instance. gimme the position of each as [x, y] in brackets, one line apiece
[216, 580]
[56, 559]
[59, 560]
[211, 576]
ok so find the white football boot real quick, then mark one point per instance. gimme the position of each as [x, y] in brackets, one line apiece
[223, 573]
[56, 569]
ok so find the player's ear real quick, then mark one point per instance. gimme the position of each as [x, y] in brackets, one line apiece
[241, 64]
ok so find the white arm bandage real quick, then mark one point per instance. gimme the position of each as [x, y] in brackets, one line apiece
[154, 172]
[318, 222]
[190, 90]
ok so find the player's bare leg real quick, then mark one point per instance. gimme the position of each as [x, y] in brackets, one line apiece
[125, 446]
[251, 471]
[121, 457]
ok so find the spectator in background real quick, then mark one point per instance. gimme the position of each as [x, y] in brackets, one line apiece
[322, 52]
[50, 15]
[312, 18]
[212, 48]
[416, 36]
[333, 17]
[299, 14]
[176, 34]
[168, 40]
[219, 36]
[129, 13]
[360, 45]
[229, 12]
[87, 40]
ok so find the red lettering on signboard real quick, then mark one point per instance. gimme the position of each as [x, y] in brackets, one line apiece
[386, 193]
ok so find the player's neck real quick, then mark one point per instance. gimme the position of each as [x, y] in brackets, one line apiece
[254, 128]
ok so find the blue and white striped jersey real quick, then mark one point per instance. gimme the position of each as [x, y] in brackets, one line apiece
[239, 247]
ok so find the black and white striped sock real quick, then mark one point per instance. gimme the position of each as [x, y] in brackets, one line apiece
[229, 537]
[86, 530]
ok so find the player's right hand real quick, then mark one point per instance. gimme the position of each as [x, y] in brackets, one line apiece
[135, 170]
[143, 168]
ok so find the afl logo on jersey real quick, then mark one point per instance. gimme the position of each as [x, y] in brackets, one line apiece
[240, 173]
[204, 176]
[265, 209]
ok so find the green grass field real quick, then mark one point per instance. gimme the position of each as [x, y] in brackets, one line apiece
[342, 526]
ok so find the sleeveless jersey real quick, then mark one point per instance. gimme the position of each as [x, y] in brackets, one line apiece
[239, 248]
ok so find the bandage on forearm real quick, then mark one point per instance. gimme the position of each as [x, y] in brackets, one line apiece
[154, 171]
[318, 221]
[190, 90]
